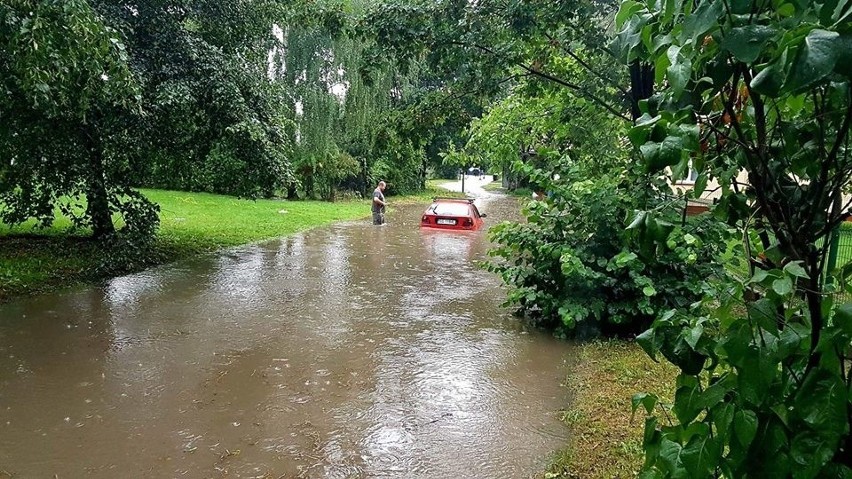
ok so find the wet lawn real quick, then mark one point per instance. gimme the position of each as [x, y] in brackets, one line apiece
[606, 441]
[33, 260]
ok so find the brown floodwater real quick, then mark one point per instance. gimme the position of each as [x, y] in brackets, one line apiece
[345, 352]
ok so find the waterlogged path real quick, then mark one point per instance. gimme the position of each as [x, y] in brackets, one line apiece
[345, 352]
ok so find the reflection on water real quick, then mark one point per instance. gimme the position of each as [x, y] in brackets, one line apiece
[348, 351]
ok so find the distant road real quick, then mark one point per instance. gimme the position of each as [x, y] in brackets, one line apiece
[472, 185]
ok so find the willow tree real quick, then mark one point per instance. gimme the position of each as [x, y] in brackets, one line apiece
[213, 121]
[345, 116]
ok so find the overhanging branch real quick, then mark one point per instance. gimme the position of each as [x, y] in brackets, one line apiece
[585, 65]
[536, 72]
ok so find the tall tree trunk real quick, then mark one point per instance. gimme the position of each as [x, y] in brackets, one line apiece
[421, 179]
[96, 192]
[641, 85]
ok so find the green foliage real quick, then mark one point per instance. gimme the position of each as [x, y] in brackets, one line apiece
[491, 49]
[353, 122]
[758, 87]
[548, 119]
[578, 266]
[69, 95]
[400, 164]
[203, 80]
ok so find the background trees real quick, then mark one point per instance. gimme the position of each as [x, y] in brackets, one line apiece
[255, 98]
[213, 121]
[740, 301]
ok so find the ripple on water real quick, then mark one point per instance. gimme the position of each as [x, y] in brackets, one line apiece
[386, 448]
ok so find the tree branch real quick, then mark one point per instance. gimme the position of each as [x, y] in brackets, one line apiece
[844, 131]
[585, 65]
[536, 72]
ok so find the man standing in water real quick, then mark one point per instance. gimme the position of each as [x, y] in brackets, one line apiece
[379, 204]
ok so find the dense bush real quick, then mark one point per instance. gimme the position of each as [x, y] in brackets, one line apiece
[585, 263]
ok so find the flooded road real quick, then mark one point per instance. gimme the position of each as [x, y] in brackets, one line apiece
[344, 352]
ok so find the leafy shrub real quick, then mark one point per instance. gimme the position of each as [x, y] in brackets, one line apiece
[575, 268]
[764, 359]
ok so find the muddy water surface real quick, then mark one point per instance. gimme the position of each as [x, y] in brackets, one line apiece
[348, 351]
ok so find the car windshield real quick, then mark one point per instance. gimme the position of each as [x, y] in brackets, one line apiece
[451, 209]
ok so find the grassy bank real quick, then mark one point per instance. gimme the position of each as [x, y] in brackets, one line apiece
[34, 261]
[605, 442]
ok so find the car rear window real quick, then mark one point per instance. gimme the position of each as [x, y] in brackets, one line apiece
[451, 209]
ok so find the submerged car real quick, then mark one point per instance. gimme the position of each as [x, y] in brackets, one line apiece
[452, 214]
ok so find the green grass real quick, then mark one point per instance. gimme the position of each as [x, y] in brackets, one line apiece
[197, 222]
[606, 440]
[495, 186]
[433, 189]
[37, 260]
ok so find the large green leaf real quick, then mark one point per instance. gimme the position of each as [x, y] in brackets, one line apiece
[639, 134]
[687, 404]
[648, 342]
[626, 10]
[843, 317]
[693, 335]
[783, 286]
[638, 220]
[795, 268]
[703, 20]
[770, 79]
[678, 71]
[629, 38]
[700, 456]
[650, 474]
[746, 43]
[745, 427]
[658, 230]
[646, 400]
[663, 154]
[764, 312]
[843, 46]
[821, 402]
[811, 451]
[740, 7]
[700, 185]
[715, 393]
[723, 418]
[757, 375]
[670, 452]
[678, 75]
[815, 60]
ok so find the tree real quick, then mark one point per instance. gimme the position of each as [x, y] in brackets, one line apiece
[202, 66]
[68, 93]
[492, 48]
[764, 88]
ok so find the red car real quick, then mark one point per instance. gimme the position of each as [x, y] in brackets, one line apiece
[452, 214]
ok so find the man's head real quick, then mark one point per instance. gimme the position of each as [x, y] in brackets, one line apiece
[382, 185]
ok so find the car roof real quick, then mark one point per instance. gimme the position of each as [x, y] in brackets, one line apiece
[451, 208]
[439, 199]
